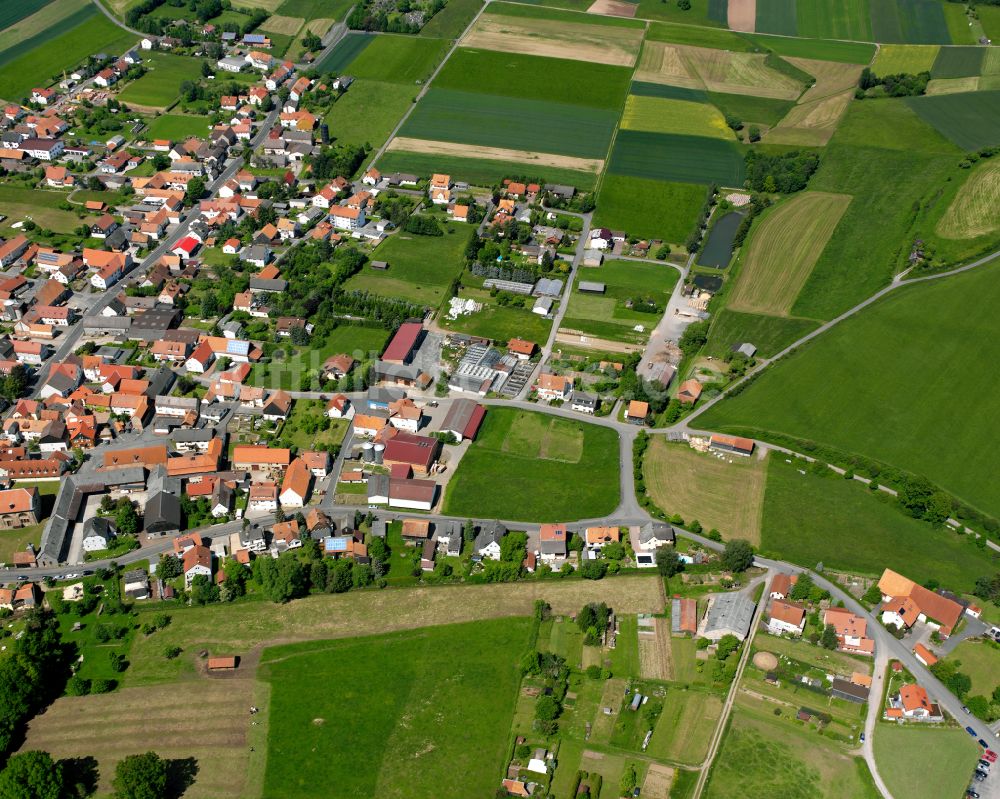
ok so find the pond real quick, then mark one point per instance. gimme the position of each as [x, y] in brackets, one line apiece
[718, 249]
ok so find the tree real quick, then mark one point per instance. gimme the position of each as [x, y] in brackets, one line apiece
[668, 562]
[282, 579]
[126, 518]
[594, 569]
[15, 385]
[169, 567]
[204, 590]
[737, 556]
[547, 708]
[513, 548]
[829, 638]
[726, 646]
[469, 531]
[195, 191]
[801, 588]
[31, 775]
[629, 780]
[141, 777]
[873, 595]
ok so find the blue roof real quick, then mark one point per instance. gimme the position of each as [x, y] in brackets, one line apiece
[237, 347]
[335, 544]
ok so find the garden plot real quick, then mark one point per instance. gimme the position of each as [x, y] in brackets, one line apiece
[579, 41]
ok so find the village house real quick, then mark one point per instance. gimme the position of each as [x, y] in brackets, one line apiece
[552, 541]
[905, 603]
[786, 617]
[852, 631]
[554, 387]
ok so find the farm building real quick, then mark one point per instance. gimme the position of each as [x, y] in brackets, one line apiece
[733, 444]
[591, 287]
[683, 616]
[223, 663]
[729, 614]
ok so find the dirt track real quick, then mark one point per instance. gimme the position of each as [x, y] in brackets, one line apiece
[495, 153]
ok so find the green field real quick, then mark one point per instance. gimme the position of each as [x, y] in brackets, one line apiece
[521, 124]
[160, 86]
[971, 119]
[909, 22]
[369, 111]
[423, 727]
[420, 267]
[910, 352]
[346, 50]
[399, 59]
[973, 211]
[958, 62]
[989, 18]
[481, 172]
[822, 19]
[45, 23]
[924, 762]
[664, 156]
[759, 110]
[699, 37]
[644, 89]
[534, 77]
[177, 127]
[868, 246]
[13, 13]
[540, 460]
[810, 519]
[60, 48]
[841, 52]
[893, 59]
[41, 207]
[776, 17]
[649, 208]
[314, 9]
[455, 18]
[763, 756]
[770, 334]
[624, 281]
[541, 11]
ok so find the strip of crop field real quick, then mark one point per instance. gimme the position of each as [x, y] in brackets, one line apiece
[664, 156]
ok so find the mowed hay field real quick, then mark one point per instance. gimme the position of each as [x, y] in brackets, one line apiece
[434, 721]
[204, 721]
[877, 383]
[515, 123]
[530, 160]
[697, 485]
[893, 59]
[783, 250]
[811, 124]
[831, 77]
[975, 211]
[580, 41]
[715, 70]
[683, 731]
[543, 462]
[238, 628]
[762, 757]
[659, 115]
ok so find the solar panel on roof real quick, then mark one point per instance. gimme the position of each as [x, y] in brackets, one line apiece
[335, 544]
[237, 347]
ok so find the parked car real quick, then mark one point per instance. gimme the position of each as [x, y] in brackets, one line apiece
[983, 743]
[972, 794]
[990, 755]
[971, 731]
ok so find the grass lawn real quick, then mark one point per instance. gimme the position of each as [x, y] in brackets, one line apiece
[399, 59]
[499, 323]
[238, 627]
[923, 762]
[726, 496]
[808, 519]
[40, 206]
[295, 432]
[910, 353]
[420, 267]
[763, 756]
[541, 461]
[433, 711]
[161, 83]
[770, 334]
[360, 342]
[177, 127]
[368, 112]
[59, 48]
[982, 663]
[649, 208]
[607, 315]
